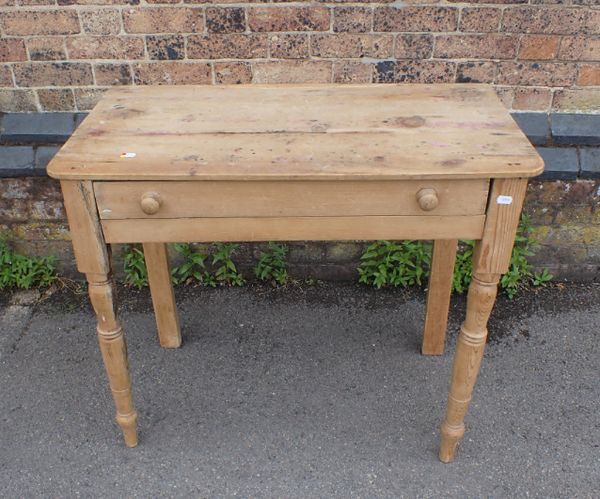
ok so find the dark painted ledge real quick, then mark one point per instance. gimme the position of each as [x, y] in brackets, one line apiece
[568, 142]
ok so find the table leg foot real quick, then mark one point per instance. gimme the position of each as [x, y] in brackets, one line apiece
[467, 360]
[114, 353]
[128, 424]
[450, 438]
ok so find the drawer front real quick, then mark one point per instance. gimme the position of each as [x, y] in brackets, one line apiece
[219, 199]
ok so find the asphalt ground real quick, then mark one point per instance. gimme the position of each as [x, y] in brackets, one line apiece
[306, 391]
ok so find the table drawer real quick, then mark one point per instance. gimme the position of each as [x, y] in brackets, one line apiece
[218, 199]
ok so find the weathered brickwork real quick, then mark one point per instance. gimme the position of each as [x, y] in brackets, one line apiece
[565, 214]
[60, 55]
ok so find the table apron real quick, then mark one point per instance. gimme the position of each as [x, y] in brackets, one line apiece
[293, 228]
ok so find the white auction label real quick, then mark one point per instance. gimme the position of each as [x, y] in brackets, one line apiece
[128, 155]
[504, 200]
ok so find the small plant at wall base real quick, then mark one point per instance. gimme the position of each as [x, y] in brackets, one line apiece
[271, 265]
[226, 272]
[20, 271]
[520, 272]
[386, 263]
[193, 267]
[134, 266]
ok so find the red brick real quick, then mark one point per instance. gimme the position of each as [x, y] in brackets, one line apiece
[235, 45]
[225, 20]
[40, 22]
[582, 48]
[208, 2]
[352, 19]
[489, 1]
[351, 45]
[538, 47]
[411, 19]
[506, 95]
[292, 72]
[56, 99]
[480, 19]
[172, 73]
[366, 1]
[17, 101]
[476, 72]
[87, 98]
[101, 21]
[232, 73]
[413, 46]
[489, 46]
[165, 47]
[95, 3]
[289, 46]
[46, 48]
[415, 72]
[163, 20]
[593, 22]
[6, 79]
[544, 20]
[536, 73]
[112, 74]
[589, 74]
[105, 47]
[352, 72]
[204, 2]
[12, 50]
[288, 18]
[532, 99]
[59, 74]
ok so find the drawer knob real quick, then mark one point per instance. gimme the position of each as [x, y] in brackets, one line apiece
[150, 203]
[427, 199]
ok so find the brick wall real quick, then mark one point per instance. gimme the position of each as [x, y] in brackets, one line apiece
[59, 55]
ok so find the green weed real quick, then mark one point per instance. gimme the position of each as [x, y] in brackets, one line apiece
[20, 271]
[225, 270]
[387, 263]
[271, 265]
[134, 266]
[193, 267]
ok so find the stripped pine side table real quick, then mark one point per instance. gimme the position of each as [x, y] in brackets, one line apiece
[154, 165]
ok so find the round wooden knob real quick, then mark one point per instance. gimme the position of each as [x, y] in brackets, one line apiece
[150, 203]
[427, 199]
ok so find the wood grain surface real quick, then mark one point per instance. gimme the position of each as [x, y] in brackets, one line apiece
[120, 200]
[310, 132]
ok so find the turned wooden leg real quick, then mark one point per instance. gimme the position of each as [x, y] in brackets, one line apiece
[114, 353]
[467, 359]
[491, 258]
[438, 296]
[93, 259]
[163, 298]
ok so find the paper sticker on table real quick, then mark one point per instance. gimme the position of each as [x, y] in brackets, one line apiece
[504, 200]
[128, 155]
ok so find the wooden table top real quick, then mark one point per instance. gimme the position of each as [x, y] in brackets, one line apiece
[285, 132]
